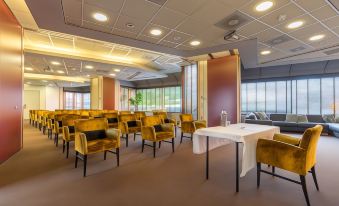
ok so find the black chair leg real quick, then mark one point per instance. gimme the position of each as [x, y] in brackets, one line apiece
[134, 137]
[118, 156]
[63, 146]
[182, 135]
[273, 170]
[303, 184]
[105, 154]
[315, 177]
[67, 149]
[126, 140]
[143, 145]
[85, 165]
[154, 147]
[172, 144]
[258, 174]
[159, 144]
[76, 159]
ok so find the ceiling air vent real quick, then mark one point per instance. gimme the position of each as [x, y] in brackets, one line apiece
[133, 75]
[279, 40]
[300, 48]
[333, 51]
[233, 21]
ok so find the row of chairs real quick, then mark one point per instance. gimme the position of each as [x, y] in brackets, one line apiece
[100, 131]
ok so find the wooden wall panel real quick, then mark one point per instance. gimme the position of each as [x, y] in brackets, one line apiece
[223, 84]
[11, 87]
[108, 93]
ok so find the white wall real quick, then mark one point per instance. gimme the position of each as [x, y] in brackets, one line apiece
[51, 98]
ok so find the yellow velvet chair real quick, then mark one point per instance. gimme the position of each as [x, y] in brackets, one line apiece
[166, 119]
[68, 131]
[93, 136]
[140, 114]
[50, 124]
[58, 127]
[112, 118]
[154, 130]
[188, 125]
[124, 112]
[95, 114]
[291, 154]
[128, 124]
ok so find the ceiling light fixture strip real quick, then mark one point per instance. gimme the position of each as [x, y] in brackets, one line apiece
[322, 24]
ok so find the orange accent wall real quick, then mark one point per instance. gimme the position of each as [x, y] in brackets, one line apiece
[223, 84]
[11, 57]
[108, 93]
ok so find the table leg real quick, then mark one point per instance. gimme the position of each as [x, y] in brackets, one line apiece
[207, 158]
[237, 166]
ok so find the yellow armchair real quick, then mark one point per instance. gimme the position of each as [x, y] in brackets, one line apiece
[50, 124]
[291, 154]
[93, 136]
[140, 114]
[155, 130]
[68, 131]
[188, 125]
[128, 124]
[166, 119]
[112, 118]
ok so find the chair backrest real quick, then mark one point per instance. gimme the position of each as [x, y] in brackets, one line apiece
[127, 117]
[309, 142]
[160, 113]
[125, 112]
[91, 125]
[140, 114]
[110, 115]
[151, 121]
[186, 117]
[69, 120]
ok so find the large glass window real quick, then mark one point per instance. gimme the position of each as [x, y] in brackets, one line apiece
[191, 90]
[298, 96]
[74, 100]
[125, 94]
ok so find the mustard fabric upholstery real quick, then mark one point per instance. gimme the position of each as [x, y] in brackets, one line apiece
[68, 121]
[112, 115]
[139, 114]
[282, 153]
[188, 125]
[164, 116]
[125, 112]
[84, 147]
[123, 125]
[148, 131]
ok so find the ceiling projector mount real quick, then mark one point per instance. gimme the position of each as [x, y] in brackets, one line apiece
[231, 35]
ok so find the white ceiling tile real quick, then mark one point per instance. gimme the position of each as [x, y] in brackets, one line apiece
[123, 21]
[252, 28]
[149, 27]
[72, 8]
[168, 18]
[89, 10]
[266, 35]
[332, 22]
[234, 4]
[114, 5]
[307, 19]
[186, 6]
[250, 8]
[323, 13]
[69, 20]
[148, 39]
[310, 5]
[177, 37]
[124, 33]
[140, 9]
[307, 31]
[192, 26]
[168, 44]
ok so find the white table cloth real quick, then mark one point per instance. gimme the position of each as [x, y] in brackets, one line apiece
[248, 134]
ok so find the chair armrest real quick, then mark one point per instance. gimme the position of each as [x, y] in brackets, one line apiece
[282, 155]
[187, 127]
[114, 134]
[148, 133]
[81, 143]
[65, 133]
[123, 127]
[286, 139]
[200, 124]
[167, 127]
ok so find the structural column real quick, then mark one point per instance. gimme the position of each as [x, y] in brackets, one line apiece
[103, 93]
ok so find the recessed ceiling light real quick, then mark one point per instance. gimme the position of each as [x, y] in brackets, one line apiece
[89, 67]
[130, 25]
[295, 24]
[55, 63]
[112, 75]
[100, 17]
[156, 32]
[195, 43]
[265, 52]
[316, 37]
[29, 68]
[117, 70]
[263, 6]
[60, 71]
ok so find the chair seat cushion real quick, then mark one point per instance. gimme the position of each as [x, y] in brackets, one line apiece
[284, 124]
[95, 135]
[163, 135]
[112, 120]
[101, 145]
[132, 123]
[134, 129]
[157, 128]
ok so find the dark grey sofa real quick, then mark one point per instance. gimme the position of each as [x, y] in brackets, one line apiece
[279, 120]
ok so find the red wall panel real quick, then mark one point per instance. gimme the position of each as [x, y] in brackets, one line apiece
[223, 82]
[10, 83]
[108, 93]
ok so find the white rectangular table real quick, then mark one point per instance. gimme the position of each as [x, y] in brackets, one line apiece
[206, 139]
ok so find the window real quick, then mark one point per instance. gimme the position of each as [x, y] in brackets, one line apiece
[191, 90]
[74, 100]
[125, 94]
[297, 96]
